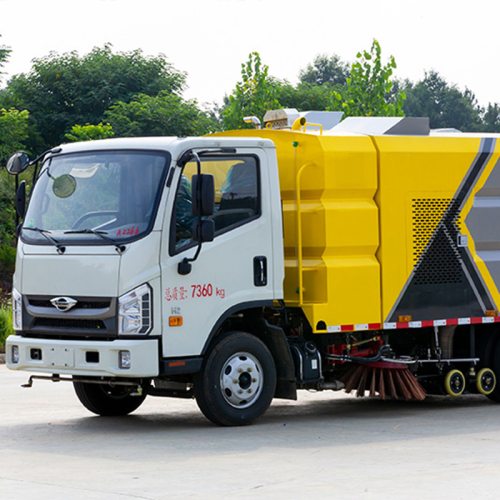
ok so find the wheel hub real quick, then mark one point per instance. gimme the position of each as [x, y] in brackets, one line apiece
[241, 380]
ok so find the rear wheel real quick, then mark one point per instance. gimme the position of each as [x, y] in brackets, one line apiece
[237, 381]
[486, 381]
[494, 362]
[105, 400]
[454, 383]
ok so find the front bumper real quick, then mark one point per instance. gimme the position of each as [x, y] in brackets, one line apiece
[71, 357]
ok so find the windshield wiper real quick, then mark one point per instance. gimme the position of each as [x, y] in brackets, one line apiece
[44, 232]
[102, 234]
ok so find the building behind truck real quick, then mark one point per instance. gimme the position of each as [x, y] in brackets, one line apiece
[236, 268]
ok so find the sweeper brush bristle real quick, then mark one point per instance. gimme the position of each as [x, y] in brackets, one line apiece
[392, 381]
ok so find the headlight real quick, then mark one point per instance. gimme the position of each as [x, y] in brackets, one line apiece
[17, 310]
[134, 312]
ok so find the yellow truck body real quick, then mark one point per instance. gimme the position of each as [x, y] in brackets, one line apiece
[388, 231]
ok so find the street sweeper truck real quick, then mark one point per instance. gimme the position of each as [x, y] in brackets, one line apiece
[359, 255]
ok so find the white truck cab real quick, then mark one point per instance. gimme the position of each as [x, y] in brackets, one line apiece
[122, 286]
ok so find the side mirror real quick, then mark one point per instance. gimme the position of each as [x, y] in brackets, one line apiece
[203, 232]
[203, 189]
[17, 163]
[21, 200]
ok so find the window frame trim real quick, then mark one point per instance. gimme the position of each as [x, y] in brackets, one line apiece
[172, 250]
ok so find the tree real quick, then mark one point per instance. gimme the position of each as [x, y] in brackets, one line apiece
[164, 114]
[90, 132]
[4, 56]
[255, 94]
[305, 96]
[62, 90]
[328, 84]
[444, 104]
[325, 70]
[7, 210]
[491, 118]
[13, 132]
[369, 88]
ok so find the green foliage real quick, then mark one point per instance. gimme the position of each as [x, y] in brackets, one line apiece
[325, 70]
[368, 90]
[6, 327]
[4, 56]
[7, 225]
[305, 96]
[7, 256]
[255, 94]
[7, 210]
[62, 90]
[444, 104]
[491, 118]
[7, 261]
[90, 132]
[165, 114]
[364, 89]
[13, 132]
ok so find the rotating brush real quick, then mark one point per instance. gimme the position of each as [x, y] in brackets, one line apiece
[387, 380]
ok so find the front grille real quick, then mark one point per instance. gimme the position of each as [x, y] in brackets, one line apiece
[91, 316]
[79, 304]
[70, 323]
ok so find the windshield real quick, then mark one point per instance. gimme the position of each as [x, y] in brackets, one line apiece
[96, 198]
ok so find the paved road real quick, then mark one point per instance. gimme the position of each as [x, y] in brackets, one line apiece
[323, 446]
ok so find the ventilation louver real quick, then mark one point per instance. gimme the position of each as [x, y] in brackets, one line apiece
[436, 226]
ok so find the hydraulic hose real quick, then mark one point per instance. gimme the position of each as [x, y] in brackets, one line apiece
[384, 350]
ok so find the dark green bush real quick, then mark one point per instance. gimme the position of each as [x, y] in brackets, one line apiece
[7, 210]
[6, 328]
[7, 260]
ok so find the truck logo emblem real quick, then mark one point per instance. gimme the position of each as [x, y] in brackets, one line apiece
[63, 303]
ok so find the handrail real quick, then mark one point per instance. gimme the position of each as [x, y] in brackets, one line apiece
[314, 125]
[299, 231]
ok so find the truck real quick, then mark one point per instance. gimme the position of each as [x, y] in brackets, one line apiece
[311, 254]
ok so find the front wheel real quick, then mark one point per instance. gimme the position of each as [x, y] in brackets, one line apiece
[108, 401]
[237, 381]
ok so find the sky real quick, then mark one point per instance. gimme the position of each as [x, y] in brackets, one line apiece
[210, 39]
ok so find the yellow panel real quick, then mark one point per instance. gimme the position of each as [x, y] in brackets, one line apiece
[413, 168]
[369, 206]
[339, 218]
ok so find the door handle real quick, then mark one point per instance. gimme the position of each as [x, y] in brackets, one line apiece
[260, 271]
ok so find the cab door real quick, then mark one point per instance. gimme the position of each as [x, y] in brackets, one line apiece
[233, 271]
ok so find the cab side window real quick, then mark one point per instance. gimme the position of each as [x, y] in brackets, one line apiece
[237, 197]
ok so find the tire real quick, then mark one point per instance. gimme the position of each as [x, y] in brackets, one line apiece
[107, 401]
[495, 366]
[237, 381]
[486, 381]
[454, 383]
